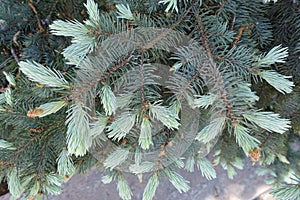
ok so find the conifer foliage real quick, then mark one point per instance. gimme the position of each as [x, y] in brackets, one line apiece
[148, 87]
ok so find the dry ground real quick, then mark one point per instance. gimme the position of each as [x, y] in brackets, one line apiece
[246, 186]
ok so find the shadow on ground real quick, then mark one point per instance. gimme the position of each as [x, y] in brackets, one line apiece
[245, 186]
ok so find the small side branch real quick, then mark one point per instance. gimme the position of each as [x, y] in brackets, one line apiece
[163, 34]
[142, 79]
[183, 89]
[115, 68]
[204, 37]
[13, 53]
[265, 140]
[41, 161]
[98, 76]
[52, 10]
[239, 35]
[31, 5]
[213, 68]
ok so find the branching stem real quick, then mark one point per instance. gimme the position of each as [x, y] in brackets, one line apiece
[213, 68]
[142, 79]
[31, 5]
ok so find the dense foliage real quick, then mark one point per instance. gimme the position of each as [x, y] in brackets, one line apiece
[147, 87]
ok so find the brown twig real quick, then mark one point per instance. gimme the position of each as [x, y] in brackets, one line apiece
[164, 33]
[15, 38]
[265, 140]
[13, 52]
[42, 160]
[142, 81]
[52, 10]
[100, 77]
[183, 89]
[203, 34]
[213, 67]
[239, 35]
[115, 68]
[31, 5]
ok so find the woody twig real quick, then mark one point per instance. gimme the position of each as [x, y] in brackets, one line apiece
[31, 5]
[239, 35]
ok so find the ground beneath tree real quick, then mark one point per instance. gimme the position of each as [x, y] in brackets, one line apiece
[3, 188]
[245, 186]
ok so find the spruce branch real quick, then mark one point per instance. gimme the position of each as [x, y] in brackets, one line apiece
[31, 5]
[219, 87]
[190, 163]
[216, 77]
[151, 187]
[212, 130]
[52, 10]
[78, 132]
[119, 156]
[244, 139]
[6, 145]
[143, 167]
[53, 183]
[98, 127]
[124, 12]
[239, 35]
[69, 28]
[269, 121]
[206, 168]
[142, 80]
[108, 100]
[145, 139]
[50, 108]
[94, 70]
[165, 115]
[276, 55]
[35, 189]
[123, 188]
[204, 35]
[204, 101]
[121, 126]
[13, 52]
[65, 165]
[42, 159]
[185, 87]
[177, 180]
[93, 12]
[115, 68]
[21, 149]
[286, 191]
[111, 175]
[43, 75]
[84, 86]
[278, 81]
[14, 183]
